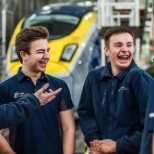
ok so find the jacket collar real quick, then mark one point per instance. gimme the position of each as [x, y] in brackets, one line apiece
[107, 74]
[21, 76]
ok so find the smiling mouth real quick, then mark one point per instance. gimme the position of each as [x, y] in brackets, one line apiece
[43, 64]
[123, 57]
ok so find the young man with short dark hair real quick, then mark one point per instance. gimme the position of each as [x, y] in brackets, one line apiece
[52, 129]
[114, 98]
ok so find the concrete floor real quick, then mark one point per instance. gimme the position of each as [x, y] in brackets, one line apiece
[79, 141]
[81, 147]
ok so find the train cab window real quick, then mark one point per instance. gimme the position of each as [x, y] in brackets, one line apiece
[58, 25]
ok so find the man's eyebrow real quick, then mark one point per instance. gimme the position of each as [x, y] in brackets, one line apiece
[43, 49]
[118, 43]
[122, 43]
[40, 49]
[130, 43]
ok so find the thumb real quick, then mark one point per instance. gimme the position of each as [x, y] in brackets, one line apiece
[44, 87]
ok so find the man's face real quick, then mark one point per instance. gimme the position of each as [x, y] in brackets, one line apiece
[38, 58]
[120, 51]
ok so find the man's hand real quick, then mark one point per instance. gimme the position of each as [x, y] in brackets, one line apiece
[104, 146]
[107, 146]
[45, 97]
[95, 147]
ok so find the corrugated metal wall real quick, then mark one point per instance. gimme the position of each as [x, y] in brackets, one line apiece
[25, 6]
[22, 8]
[18, 9]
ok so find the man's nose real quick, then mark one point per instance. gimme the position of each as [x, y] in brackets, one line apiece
[124, 48]
[46, 55]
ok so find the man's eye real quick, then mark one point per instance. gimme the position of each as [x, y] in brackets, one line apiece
[39, 51]
[118, 45]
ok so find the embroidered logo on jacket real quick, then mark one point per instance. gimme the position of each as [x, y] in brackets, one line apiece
[123, 88]
[19, 95]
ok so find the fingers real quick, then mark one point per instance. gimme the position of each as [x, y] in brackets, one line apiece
[95, 145]
[95, 152]
[44, 97]
[56, 91]
[45, 86]
[52, 94]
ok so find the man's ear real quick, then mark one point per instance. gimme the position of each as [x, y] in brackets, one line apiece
[23, 55]
[106, 50]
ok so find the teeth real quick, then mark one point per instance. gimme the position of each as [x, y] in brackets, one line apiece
[123, 57]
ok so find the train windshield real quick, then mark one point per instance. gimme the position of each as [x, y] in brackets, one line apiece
[59, 25]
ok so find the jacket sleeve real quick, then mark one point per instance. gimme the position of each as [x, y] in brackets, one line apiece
[16, 112]
[140, 90]
[150, 111]
[86, 115]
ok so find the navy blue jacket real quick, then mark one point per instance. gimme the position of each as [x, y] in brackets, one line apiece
[16, 112]
[146, 143]
[114, 107]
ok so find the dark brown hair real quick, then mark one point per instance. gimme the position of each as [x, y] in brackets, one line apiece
[28, 35]
[116, 30]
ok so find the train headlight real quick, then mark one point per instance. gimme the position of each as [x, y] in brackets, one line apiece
[68, 52]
